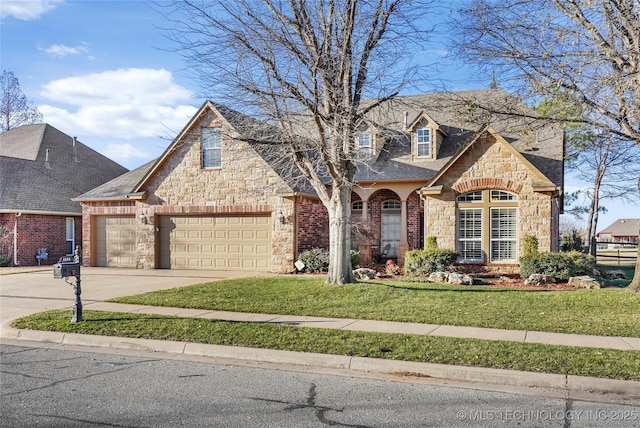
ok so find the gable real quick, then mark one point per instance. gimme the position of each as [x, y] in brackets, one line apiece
[489, 161]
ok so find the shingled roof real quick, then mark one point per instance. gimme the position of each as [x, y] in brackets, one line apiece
[622, 227]
[42, 169]
[541, 146]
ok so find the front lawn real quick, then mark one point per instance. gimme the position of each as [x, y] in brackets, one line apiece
[604, 363]
[607, 312]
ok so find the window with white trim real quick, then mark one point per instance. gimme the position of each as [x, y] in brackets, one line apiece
[70, 235]
[211, 147]
[487, 226]
[504, 246]
[423, 142]
[364, 141]
[470, 234]
[391, 205]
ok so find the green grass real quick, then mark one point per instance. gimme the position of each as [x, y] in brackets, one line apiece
[604, 363]
[607, 312]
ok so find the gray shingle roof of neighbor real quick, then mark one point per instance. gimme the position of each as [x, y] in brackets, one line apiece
[42, 170]
[623, 227]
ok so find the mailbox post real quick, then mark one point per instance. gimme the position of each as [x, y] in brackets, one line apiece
[66, 267]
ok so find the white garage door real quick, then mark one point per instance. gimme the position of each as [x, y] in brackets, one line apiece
[215, 242]
[115, 242]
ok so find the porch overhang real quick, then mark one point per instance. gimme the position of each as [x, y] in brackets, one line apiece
[431, 190]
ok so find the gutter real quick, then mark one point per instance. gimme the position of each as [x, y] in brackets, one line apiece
[61, 213]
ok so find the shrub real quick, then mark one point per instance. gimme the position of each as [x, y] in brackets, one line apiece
[355, 258]
[424, 262]
[558, 265]
[530, 245]
[315, 260]
[571, 241]
[4, 261]
[431, 243]
[585, 263]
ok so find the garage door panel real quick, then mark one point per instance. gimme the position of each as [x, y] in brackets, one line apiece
[215, 242]
[114, 241]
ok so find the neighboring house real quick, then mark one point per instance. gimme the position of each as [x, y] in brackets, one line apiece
[622, 231]
[41, 170]
[214, 200]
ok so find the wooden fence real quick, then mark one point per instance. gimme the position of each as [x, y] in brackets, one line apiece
[620, 254]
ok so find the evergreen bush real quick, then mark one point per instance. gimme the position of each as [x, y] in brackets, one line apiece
[315, 260]
[424, 262]
[530, 245]
[431, 243]
[558, 265]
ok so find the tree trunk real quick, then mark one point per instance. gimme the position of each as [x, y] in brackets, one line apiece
[340, 269]
[635, 283]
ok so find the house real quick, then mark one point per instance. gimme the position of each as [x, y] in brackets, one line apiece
[41, 170]
[622, 231]
[216, 200]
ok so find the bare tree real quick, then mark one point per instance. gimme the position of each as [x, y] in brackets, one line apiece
[312, 69]
[611, 167]
[589, 48]
[15, 108]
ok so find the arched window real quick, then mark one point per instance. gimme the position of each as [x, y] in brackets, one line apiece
[391, 205]
[487, 226]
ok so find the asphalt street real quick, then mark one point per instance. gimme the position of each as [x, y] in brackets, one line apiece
[54, 386]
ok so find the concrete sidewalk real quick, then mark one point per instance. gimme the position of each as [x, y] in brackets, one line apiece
[26, 293]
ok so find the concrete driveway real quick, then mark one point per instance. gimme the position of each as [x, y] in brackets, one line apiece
[26, 293]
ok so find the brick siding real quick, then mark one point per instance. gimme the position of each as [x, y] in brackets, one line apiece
[36, 231]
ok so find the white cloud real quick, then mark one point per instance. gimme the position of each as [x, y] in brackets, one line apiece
[123, 153]
[27, 10]
[63, 50]
[124, 103]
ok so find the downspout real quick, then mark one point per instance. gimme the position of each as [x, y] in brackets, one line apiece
[15, 239]
[295, 228]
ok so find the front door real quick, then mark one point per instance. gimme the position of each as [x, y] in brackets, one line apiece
[390, 233]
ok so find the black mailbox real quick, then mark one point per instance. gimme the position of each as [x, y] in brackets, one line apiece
[65, 270]
[69, 267]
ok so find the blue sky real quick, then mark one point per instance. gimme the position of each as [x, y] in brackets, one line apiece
[102, 71]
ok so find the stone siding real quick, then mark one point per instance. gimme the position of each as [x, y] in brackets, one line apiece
[244, 184]
[488, 164]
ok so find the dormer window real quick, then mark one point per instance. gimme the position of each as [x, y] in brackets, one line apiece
[211, 147]
[423, 142]
[364, 141]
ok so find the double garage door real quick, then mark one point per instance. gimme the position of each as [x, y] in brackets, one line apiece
[188, 242]
[215, 243]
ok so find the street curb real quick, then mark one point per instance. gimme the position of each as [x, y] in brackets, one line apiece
[357, 364]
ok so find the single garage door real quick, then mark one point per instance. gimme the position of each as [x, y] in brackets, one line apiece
[215, 242]
[115, 242]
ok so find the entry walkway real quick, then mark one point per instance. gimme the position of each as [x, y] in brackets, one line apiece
[610, 342]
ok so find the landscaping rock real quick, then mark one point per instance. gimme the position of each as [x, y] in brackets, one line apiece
[539, 279]
[585, 281]
[613, 274]
[460, 279]
[440, 277]
[364, 273]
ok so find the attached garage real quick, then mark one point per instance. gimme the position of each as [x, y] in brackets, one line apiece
[215, 242]
[115, 242]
